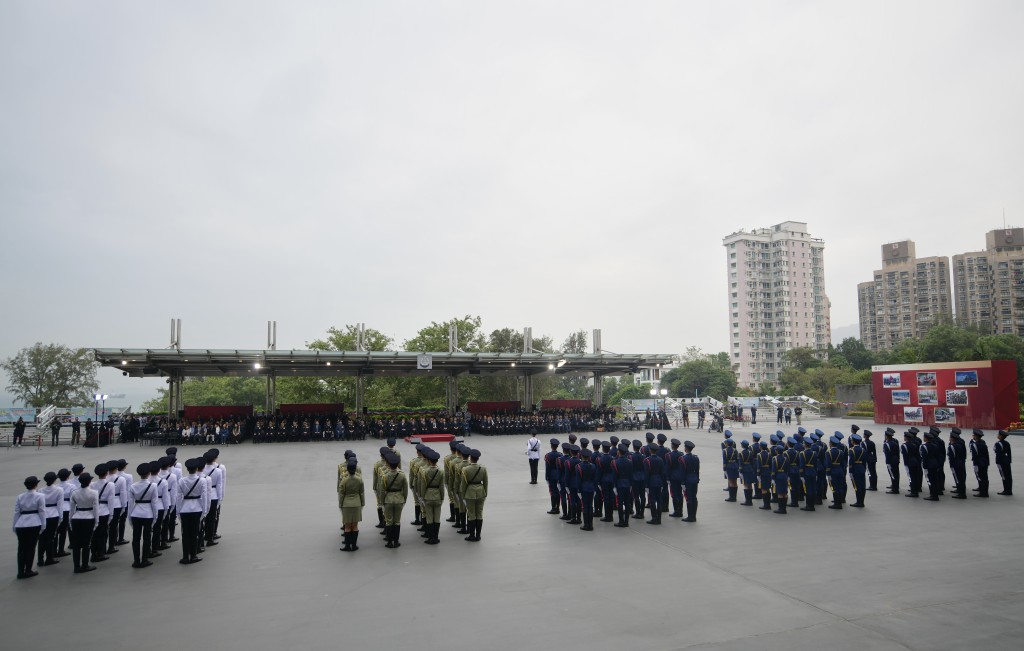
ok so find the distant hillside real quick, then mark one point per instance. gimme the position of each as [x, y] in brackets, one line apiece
[838, 334]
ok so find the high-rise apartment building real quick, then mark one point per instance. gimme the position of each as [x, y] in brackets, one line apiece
[777, 299]
[907, 296]
[989, 284]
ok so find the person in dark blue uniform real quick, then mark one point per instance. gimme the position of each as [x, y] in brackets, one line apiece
[655, 471]
[551, 475]
[891, 454]
[912, 462]
[956, 451]
[780, 473]
[622, 467]
[663, 452]
[731, 465]
[573, 481]
[822, 447]
[727, 437]
[979, 458]
[563, 482]
[1003, 460]
[836, 472]
[607, 481]
[872, 460]
[930, 464]
[674, 460]
[809, 464]
[691, 477]
[859, 456]
[746, 459]
[639, 491]
[796, 484]
[755, 447]
[587, 473]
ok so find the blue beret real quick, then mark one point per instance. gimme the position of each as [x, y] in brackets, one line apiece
[688, 445]
[833, 439]
[801, 430]
[662, 438]
[764, 446]
[587, 454]
[775, 438]
[838, 435]
[819, 433]
[779, 449]
[757, 437]
[745, 443]
[637, 444]
[391, 442]
[855, 438]
[584, 442]
[554, 441]
[474, 453]
[780, 433]
[728, 433]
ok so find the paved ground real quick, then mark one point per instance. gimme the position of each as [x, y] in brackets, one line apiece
[900, 574]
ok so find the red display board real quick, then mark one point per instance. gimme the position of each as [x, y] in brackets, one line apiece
[565, 404]
[194, 412]
[312, 408]
[491, 407]
[962, 394]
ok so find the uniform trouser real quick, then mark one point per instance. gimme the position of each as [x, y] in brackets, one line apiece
[54, 439]
[48, 540]
[691, 498]
[563, 494]
[121, 524]
[62, 531]
[654, 499]
[190, 534]
[872, 476]
[155, 531]
[959, 479]
[598, 499]
[115, 521]
[533, 469]
[553, 493]
[431, 512]
[838, 482]
[781, 488]
[822, 485]
[796, 488]
[916, 475]
[675, 489]
[392, 514]
[1006, 473]
[212, 519]
[623, 500]
[639, 498]
[170, 521]
[663, 503]
[575, 501]
[894, 475]
[860, 487]
[99, 536]
[81, 541]
[981, 472]
[811, 486]
[142, 531]
[608, 492]
[76, 438]
[934, 482]
[28, 538]
[588, 502]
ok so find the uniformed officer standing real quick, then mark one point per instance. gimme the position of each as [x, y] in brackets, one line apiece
[29, 523]
[639, 488]
[449, 478]
[218, 483]
[84, 521]
[413, 477]
[379, 468]
[99, 536]
[780, 472]
[533, 455]
[64, 527]
[912, 462]
[859, 464]
[432, 490]
[763, 470]
[796, 485]
[891, 453]
[140, 497]
[351, 500]
[731, 465]
[872, 460]
[192, 502]
[979, 458]
[551, 475]
[474, 477]
[746, 459]
[932, 455]
[655, 473]
[607, 480]
[573, 483]
[835, 460]
[1003, 460]
[956, 451]
[588, 484]
[809, 463]
[395, 488]
[691, 477]
[622, 468]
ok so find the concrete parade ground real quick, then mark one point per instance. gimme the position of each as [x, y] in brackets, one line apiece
[899, 574]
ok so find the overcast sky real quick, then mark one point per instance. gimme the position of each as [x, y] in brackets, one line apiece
[558, 165]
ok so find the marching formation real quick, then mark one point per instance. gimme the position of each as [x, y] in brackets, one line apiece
[612, 479]
[92, 513]
[460, 476]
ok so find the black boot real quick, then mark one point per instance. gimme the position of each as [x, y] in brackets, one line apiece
[588, 522]
[554, 505]
[380, 518]
[463, 524]
[471, 529]
[355, 537]
[766, 501]
[810, 504]
[451, 511]
[397, 530]
[387, 536]
[836, 504]
[782, 507]
[757, 492]
[416, 521]
[732, 494]
[691, 512]
[479, 526]
[348, 541]
[748, 493]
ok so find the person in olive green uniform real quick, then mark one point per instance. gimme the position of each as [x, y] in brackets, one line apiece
[432, 482]
[395, 489]
[351, 500]
[474, 480]
[378, 471]
[460, 504]
[449, 475]
[415, 465]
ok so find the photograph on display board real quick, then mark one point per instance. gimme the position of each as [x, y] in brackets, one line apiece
[891, 380]
[956, 397]
[945, 415]
[926, 380]
[927, 397]
[901, 397]
[913, 414]
[967, 379]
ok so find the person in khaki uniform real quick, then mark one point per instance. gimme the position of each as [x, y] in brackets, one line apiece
[460, 506]
[449, 477]
[379, 469]
[351, 500]
[395, 489]
[415, 465]
[474, 481]
[432, 482]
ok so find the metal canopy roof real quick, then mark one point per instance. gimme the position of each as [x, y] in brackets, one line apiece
[167, 362]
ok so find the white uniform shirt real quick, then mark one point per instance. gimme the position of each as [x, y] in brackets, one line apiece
[193, 495]
[105, 490]
[53, 496]
[160, 490]
[117, 489]
[29, 510]
[170, 496]
[218, 478]
[85, 503]
[533, 448]
[145, 491]
[68, 487]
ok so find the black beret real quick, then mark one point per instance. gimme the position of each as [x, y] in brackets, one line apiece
[143, 468]
[453, 444]
[77, 468]
[100, 469]
[650, 436]
[622, 447]
[636, 444]
[391, 443]
[662, 438]
[214, 451]
[587, 454]
[384, 449]
[63, 473]
[978, 432]
[585, 442]
[85, 479]
[171, 451]
[50, 477]
[675, 442]
[688, 445]
[31, 481]
[554, 441]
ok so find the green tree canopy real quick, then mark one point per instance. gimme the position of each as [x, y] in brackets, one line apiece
[52, 374]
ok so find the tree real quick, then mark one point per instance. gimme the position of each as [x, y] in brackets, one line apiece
[710, 376]
[52, 374]
[802, 357]
[854, 352]
[574, 387]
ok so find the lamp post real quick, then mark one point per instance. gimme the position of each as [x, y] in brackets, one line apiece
[100, 398]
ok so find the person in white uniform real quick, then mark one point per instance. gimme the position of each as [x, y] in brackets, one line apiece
[84, 521]
[29, 522]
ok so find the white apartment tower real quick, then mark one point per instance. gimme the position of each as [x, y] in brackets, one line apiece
[777, 299]
[990, 284]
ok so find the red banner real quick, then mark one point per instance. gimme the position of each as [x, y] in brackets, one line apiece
[193, 412]
[961, 394]
[491, 407]
[312, 408]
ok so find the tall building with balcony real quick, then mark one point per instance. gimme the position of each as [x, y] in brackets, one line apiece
[906, 298]
[989, 284]
[777, 299]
